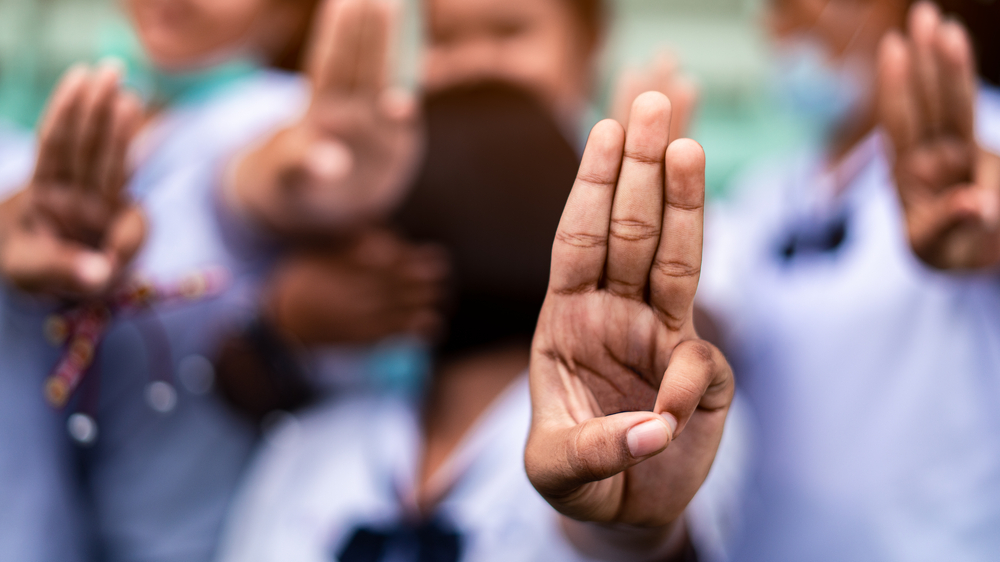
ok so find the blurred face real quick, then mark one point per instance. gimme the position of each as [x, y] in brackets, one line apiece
[184, 34]
[847, 28]
[539, 44]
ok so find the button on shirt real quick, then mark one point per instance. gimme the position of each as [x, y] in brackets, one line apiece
[875, 381]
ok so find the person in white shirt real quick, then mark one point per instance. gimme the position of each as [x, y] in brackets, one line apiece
[443, 477]
[161, 454]
[857, 291]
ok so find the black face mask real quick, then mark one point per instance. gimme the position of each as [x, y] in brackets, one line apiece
[491, 190]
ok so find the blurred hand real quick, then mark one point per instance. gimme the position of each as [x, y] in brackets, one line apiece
[378, 287]
[664, 76]
[349, 158]
[72, 230]
[949, 185]
[618, 372]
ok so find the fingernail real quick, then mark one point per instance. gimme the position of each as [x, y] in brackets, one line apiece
[647, 438]
[671, 422]
[94, 270]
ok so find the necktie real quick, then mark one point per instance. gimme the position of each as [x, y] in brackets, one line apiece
[425, 541]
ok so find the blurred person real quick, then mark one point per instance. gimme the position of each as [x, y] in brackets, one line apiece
[46, 246]
[337, 318]
[171, 451]
[162, 453]
[857, 295]
[551, 47]
[443, 477]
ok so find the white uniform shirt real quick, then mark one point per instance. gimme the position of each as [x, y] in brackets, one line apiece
[875, 381]
[354, 463]
[162, 480]
[41, 508]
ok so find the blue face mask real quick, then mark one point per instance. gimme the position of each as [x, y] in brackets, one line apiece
[808, 84]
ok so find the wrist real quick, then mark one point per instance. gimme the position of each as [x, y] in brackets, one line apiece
[605, 541]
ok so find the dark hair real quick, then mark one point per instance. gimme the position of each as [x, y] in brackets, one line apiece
[492, 187]
[593, 15]
[291, 56]
[982, 19]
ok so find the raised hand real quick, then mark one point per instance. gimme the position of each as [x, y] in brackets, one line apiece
[949, 185]
[618, 372]
[72, 230]
[348, 159]
[378, 287]
[664, 76]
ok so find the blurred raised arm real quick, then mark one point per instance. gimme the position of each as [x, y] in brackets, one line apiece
[349, 158]
[72, 230]
[948, 184]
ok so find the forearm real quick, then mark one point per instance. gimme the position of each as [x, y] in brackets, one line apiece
[625, 542]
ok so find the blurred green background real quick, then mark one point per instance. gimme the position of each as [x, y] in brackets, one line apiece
[719, 42]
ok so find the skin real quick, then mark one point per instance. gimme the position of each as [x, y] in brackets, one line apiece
[375, 287]
[540, 44]
[948, 184]
[71, 231]
[347, 161]
[628, 402]
[662, 75]
[184, 34]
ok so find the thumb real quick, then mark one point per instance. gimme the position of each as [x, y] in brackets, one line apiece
[560, 461]
[125, 238]
[59, 269]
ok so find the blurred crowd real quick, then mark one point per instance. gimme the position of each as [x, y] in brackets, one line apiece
[261, 302]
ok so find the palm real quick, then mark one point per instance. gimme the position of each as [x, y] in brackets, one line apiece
[359, 136]
[615, 347]
[624, 373]
[73, 227]
[949, 187]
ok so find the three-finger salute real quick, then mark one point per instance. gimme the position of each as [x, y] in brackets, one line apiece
[73, 230]
[628, 403]
[350, 157]
[948, 184]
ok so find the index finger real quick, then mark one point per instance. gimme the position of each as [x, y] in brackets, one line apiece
[581, 245]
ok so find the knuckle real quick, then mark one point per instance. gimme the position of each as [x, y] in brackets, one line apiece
[633, 230]
[590, 454]
[582, 240]
[683, 206]
[703, 351]
[675, 268]
[594, 180]
[645, 156]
